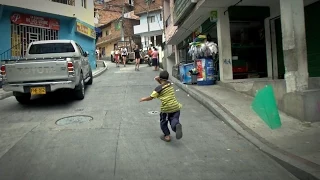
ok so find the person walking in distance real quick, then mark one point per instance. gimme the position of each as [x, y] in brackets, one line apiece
[117, 56]
[98, 54]
[124, 53]
[155, 61]
[137, 56]
[170, 107]
[150, 56]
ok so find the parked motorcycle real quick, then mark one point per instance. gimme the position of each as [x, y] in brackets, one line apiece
[147, 59]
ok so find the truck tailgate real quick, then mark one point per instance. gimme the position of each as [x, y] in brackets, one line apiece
[30, 71]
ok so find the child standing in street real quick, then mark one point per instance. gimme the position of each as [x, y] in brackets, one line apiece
[170, 107]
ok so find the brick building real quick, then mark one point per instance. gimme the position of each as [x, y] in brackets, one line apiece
[107, 16]
[141, 6]
[109, 10]
[111, 34]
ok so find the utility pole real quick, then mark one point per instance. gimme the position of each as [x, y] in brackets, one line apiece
[148, 3]
[122, 22]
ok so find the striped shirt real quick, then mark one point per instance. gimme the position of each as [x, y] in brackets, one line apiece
[169, 103]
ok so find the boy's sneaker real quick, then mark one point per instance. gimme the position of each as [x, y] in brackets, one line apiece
[165, 138]
[179, 131]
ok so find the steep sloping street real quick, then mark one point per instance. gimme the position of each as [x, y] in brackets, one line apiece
[113, 137]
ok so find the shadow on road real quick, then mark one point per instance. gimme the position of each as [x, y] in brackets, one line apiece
[61, 98]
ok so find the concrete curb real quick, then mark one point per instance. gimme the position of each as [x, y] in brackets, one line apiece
[299, 167]
[98, 73]
[5, 95]
[95, 74]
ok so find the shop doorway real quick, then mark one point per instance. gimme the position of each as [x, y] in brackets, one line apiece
[249, 59]
[22, 36]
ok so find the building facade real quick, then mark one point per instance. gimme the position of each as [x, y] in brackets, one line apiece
[150, 28]
[106, 11]
[260, 42]
[22, 23]
[111, 34]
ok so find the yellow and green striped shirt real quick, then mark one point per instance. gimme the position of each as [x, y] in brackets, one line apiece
[169, 103]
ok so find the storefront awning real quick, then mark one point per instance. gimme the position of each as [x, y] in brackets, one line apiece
[202, 12]
[199, 14]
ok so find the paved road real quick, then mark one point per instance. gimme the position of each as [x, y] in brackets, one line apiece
[122, 141]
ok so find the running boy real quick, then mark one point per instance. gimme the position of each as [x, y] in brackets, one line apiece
[170, 107]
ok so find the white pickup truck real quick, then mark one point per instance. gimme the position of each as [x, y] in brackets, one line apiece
[47, 67]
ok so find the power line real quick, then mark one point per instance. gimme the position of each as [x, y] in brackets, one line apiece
[148, 16]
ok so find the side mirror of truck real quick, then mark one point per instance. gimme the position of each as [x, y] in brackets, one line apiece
[86, 54]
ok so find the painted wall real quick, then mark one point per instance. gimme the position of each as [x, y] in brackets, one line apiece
[5, 25]
[87, 43]
[157, 26]
[85, 14]
[143, 17]
[67, 31]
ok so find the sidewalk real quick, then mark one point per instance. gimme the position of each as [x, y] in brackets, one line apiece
[295, 145]
[102, 67]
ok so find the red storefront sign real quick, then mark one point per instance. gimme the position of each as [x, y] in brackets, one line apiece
[37, 21]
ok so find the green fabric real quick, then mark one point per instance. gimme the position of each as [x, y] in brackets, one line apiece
[264, 104]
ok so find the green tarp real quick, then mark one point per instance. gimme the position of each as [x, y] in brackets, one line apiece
[264, 104]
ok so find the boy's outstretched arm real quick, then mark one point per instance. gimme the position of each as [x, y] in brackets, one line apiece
[146, 99]
[153, 95]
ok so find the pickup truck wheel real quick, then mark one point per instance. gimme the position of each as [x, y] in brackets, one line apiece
[23, 98]
[91, 78]
[79, 90]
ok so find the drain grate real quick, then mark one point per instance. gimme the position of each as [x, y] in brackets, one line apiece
[154, 112]
[73, 120]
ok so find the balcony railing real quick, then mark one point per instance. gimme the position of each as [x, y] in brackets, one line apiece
[67, 2]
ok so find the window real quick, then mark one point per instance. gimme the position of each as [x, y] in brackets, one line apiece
[84, 3]
[151, 19]
[108, 32]
[160, 17]
[68, 2]
[51, 48]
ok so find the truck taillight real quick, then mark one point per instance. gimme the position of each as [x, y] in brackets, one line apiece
[70, 66]
[3, 70]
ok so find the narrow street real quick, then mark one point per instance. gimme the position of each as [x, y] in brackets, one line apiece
[122, 140]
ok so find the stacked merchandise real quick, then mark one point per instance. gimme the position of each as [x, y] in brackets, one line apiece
[201, 48]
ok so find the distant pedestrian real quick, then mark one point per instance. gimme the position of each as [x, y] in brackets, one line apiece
[124, 53]
[98, 54]
[170, 107]
[117, 57]
[150, 52]
[155, 61]
[137, 56]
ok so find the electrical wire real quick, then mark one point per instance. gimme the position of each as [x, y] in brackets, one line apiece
[147, 17]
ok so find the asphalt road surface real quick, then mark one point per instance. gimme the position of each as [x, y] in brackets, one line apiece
[122, 140]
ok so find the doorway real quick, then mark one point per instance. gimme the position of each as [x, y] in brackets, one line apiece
[22, 36]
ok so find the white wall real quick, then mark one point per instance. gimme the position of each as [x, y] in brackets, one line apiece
[143, 18]
[154, 27]
[84, 14]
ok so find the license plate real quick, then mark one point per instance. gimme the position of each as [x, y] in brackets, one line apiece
[38, 90]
